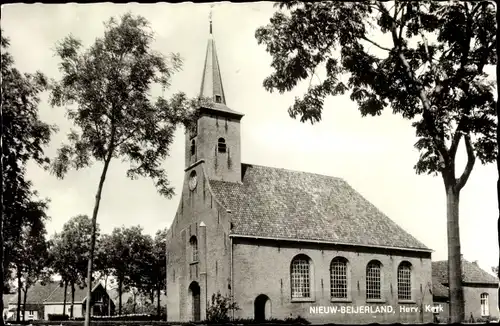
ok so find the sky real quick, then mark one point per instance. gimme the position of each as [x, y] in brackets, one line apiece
[375, 155]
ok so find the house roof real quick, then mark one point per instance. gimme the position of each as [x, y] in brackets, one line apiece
[279, 203]
[471, 273]
[80, 294]
[439, 291]
[7, 298]
[37, 293]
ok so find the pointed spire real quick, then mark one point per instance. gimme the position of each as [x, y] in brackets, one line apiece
[211, 83]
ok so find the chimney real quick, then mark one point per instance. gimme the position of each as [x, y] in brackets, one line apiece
[475, 262]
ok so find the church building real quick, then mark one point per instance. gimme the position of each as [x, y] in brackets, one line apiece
[283, 243]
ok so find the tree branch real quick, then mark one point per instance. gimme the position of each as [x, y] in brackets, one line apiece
[376, 44]
[427, 116]
[471, 159]
[455, 141]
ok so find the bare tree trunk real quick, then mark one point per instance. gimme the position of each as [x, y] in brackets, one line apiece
[19, 287]
[158, 293]
[72, 300]
[133, 305]
[454, 257]
[120, 290]
[2, 218]
[498, 182]
[64, 300]
[94, 230]
[25, 290]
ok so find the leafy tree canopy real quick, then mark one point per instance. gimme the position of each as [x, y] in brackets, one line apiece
[430, 71]
[24, 137]
[116, 114]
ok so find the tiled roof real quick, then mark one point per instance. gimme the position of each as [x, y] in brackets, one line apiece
[37, 293]
[7, 298]
[439, 290]
[58, 294]
[471, 273]
[279, 203]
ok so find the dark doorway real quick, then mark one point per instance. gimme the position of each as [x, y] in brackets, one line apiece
[262, 307]
[194, 289]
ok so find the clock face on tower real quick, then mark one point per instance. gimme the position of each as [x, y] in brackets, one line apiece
[192, 180]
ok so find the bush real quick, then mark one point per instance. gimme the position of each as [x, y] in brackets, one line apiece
[58, 317]
[218, 311]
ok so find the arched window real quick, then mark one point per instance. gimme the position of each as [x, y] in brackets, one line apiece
[373, 280]
[485, 305]
[300, 276]
[338, 278]
[193, 147]
[194, 248]
[404, 281]
[221, 145]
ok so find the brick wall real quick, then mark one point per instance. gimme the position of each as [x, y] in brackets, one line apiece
[264, 268]
[472, 297]
[219, 166]
[211, 272]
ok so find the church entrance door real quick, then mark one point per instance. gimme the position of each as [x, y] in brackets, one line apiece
[262, 307]
[194, 290]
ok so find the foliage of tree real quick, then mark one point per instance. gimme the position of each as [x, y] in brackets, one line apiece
[23, 137]
[115, 116]
[430, 71]
[155, 269]
[126, 255]
[103, 262]
[70, 253]
[219, 308]
[30, 262]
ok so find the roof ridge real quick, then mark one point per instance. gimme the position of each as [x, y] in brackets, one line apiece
[53, 291]
[294, 171]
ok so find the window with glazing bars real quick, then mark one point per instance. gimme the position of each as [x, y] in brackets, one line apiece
[485, 308]
[300, 277]
[404, 281]
[373, 281]
[338, 278]
[194, 248]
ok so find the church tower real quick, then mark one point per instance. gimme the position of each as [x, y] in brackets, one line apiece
[215, 138]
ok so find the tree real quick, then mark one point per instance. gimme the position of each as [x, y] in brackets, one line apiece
[70, 254]
[117, 118]
[31, 261]
[153, 270]
[431, 72]
[30, 254]
[23, 137]
[126, 255]
[159, 266]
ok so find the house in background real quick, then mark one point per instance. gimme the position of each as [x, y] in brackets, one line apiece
[45, 299]
[6, 299]
[101, 304]
[480, 291]
[34, 301]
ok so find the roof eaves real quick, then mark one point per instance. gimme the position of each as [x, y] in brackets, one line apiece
[235, 235]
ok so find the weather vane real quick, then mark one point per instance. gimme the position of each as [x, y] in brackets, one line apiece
[210, 18]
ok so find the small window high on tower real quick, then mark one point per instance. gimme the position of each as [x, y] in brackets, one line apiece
[221, 145]
[193, 147]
